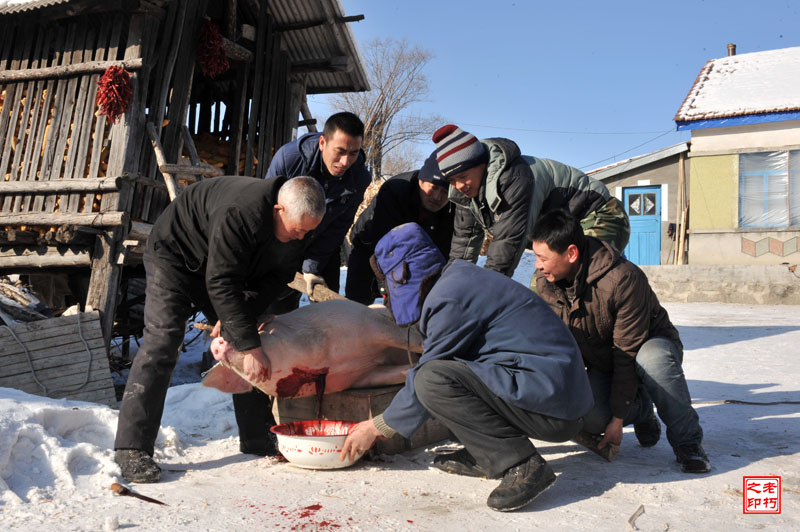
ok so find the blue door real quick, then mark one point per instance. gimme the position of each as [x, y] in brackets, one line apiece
[643, 205]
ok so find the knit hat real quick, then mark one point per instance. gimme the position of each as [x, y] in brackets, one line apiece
[406, 261]
[457, 150]
[430, 172]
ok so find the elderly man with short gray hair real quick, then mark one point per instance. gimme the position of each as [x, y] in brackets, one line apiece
[221, 248]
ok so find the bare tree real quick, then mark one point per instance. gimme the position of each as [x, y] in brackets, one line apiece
[394, 69]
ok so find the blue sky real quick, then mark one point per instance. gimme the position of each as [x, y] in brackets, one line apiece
[585, 83]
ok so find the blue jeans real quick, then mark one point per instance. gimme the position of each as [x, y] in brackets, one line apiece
[661, 382]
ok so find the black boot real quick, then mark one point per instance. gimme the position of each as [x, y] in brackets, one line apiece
[521, 484]
[137, 466]
[693, 458]
[459, 462]
[649, 432]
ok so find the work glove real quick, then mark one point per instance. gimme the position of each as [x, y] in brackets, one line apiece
[312, 280]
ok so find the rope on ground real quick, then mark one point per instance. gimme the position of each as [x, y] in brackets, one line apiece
[43, 386]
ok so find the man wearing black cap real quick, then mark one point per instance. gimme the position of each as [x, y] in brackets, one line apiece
[500, 194]
[419, 196]
[482, 373]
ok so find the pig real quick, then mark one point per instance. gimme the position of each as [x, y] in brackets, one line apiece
[323, 348]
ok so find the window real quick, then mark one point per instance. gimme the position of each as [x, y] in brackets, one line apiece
[769, 189]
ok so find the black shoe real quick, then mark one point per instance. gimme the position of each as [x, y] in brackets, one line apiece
[649, 432]
[521, 484]
[459, 462]
[137, 466]
[266, 447]
[693, 458]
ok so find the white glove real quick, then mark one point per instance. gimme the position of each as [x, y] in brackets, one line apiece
[312, 280]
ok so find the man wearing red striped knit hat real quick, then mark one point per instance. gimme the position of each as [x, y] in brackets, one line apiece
[500, 194]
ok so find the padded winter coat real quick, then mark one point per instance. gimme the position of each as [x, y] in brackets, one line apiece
[613, 313]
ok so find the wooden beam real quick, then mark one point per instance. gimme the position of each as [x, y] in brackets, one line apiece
[307, 122]
[341, 63]
[194, 169]
[43, 257]
[296, 26]
[62, 185]
[101, 219]
[236, 52]
[64, 71]
[169, 179]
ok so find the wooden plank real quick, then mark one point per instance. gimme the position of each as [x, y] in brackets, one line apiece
[50, 328]
[97, 219]
[63, 56]
[267, 126]
[69, 202]
[82, 131]
[169, 179]
[240, 104]
[43, 325]
[70, 361]
[10, 134]
[68, 342]
[62, 134]
[122, 153]
[38, 123]
[63, 185]
[43, 257]
[32, 99]
[182, 79]
[75, 69]
[256, 102]
[44, 126]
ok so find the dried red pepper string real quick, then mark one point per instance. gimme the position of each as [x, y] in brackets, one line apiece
[114, 92]
[210, 52]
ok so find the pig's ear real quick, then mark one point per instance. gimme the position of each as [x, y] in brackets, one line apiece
[225, 380]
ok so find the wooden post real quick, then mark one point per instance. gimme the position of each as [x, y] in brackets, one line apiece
[169, 179]
[237, 125]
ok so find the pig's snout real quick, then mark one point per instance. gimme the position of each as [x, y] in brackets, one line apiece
[220, 349]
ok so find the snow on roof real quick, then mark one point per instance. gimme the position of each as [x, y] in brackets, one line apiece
[759, 82]
[18, 6]
[619, 167]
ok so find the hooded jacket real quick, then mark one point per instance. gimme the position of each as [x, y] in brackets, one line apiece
[613, 313]
[501, 209]
[222, 229]
[511, 199]
[302, 157]
[507, 336]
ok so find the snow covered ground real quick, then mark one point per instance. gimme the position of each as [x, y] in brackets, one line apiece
[56, 458]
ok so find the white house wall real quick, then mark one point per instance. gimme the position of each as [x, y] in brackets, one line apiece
[742, 139]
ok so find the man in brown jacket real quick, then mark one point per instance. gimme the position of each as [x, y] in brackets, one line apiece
[632, 352]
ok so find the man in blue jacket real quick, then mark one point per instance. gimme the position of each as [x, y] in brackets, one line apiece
[498, 368]
[335, 159]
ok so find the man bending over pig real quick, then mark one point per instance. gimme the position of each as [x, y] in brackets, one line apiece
[219, 247]
[498, 368]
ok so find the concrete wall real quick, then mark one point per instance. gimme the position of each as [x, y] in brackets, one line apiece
[744, 247]
[752, 284]
[664, 173]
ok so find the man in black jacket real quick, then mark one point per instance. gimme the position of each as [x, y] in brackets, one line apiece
[335, 159]
[419, 196]
[219, 247]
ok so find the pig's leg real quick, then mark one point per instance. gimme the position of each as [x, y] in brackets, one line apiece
[382, 376]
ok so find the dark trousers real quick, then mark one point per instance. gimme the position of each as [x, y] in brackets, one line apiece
[493, 431]
[171, 296]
